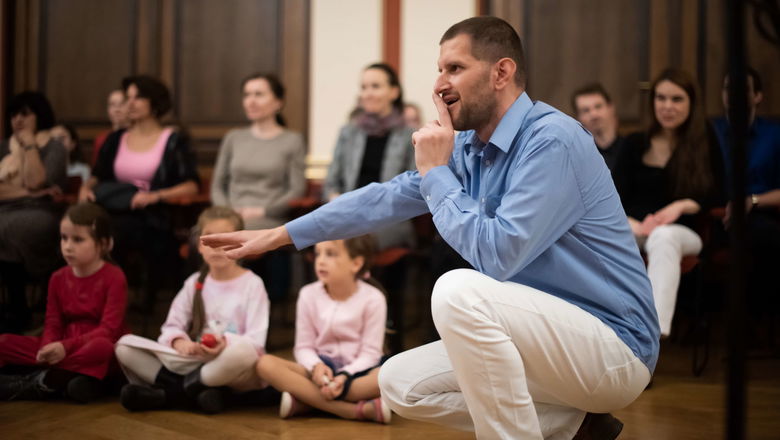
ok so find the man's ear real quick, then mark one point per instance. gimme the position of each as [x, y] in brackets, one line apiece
[504, 72]
[758, 98]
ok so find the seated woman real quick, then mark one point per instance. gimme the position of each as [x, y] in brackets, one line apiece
[375, 146]
[117, 114]
[32, 168]
[259, 169]
[665, 176]
[66, 135]
[137, 170]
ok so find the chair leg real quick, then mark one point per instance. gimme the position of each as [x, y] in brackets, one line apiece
[701, 326]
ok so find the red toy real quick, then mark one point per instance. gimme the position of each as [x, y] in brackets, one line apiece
[209, 340]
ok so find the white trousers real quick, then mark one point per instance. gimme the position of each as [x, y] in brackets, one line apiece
[141, 360]
[665, 247]
[513, 363]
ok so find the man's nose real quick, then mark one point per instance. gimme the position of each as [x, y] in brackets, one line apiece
[441, 84]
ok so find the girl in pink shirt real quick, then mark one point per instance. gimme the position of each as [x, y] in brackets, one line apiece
[339, 334]
[215, 331]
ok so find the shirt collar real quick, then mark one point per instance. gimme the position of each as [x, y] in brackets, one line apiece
[507, 127]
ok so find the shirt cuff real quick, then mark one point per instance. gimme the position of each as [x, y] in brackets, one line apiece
[168, 337]
[304, 231]
[436, 184]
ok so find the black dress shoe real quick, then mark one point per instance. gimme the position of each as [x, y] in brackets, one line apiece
[212, 400]
[142, 398]
[599, 427]
[84, 389]
[25, 387]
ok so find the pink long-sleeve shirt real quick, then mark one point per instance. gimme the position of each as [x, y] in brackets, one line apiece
[350, 332]
[241, 304]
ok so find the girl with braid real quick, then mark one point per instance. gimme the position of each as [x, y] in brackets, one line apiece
[215, 331]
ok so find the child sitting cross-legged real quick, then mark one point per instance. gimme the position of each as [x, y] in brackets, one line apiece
[85, 315]
[215, 331]
[339, 335]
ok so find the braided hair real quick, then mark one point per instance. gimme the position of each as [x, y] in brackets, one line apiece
[198, 321]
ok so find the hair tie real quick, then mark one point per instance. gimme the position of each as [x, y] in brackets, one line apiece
[367, 275]
[198, 285]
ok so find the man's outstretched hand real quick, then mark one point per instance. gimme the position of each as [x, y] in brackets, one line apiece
[246, 243]
[434, 141]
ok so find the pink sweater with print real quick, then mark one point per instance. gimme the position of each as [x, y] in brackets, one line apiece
[241, 304]
[350, 332]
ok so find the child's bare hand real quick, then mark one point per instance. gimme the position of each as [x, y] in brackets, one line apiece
[51, 353]
[334, 388]
[216, 350]
[187, 348]
[321, 374]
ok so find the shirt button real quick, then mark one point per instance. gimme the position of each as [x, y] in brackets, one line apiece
[428, 197]
[483, 200]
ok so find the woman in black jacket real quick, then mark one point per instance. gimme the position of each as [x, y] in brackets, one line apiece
[666, 176]
[137, 170]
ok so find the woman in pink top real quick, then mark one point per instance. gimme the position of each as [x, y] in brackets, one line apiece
[137, 170]
[339, 334]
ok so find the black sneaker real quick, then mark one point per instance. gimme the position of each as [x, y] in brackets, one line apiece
[141, 398]
[24, 387]
[599, 427]
[84, 389]
[212, 400]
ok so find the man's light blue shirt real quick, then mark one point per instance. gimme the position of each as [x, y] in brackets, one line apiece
[535, 205]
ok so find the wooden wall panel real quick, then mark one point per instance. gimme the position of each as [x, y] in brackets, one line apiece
[625, 44]
[219, 43]
[761, 55]
[569, 44]
[5, 62]
[88, 47]
[76, 51]
[295, 63]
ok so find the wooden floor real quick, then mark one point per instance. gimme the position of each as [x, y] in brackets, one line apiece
[679, 406]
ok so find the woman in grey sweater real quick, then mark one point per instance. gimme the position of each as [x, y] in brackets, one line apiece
[260, 168]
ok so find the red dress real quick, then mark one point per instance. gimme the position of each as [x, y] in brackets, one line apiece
[85, 314]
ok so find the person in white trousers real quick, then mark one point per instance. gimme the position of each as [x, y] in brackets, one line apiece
[557, 322]
[667, 176]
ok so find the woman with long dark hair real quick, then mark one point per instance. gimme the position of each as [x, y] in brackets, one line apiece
[666, 176]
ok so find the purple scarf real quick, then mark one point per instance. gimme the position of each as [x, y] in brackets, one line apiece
[375, 125]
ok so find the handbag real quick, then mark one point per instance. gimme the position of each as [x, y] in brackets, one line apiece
[114, 196]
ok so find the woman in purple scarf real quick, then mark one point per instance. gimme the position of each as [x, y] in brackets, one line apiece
[375, 146]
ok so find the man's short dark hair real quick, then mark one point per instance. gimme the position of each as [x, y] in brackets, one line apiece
[758, 85]
[152, 89]
[589, 89]
[491, 39]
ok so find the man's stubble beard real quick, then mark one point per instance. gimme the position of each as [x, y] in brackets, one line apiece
[477, 113]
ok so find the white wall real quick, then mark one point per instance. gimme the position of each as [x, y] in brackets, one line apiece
[346, 36]
[422, 25]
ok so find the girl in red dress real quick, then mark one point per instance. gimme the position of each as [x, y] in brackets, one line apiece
[84, 317]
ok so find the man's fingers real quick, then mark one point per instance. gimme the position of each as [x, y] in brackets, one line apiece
[221, 240]
[444, 114]
[236, 253]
